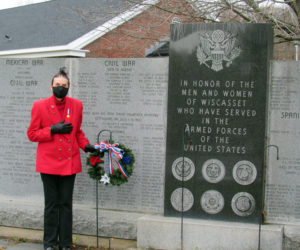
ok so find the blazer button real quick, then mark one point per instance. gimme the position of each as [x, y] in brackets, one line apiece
[60, 140]
[69, 149]
[69, 141]
[59, 149]
[59, 158]
[69, 158]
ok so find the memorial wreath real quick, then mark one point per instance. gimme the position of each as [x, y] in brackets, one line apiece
[117, 155]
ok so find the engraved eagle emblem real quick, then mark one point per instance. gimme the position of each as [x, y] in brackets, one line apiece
[217, 46]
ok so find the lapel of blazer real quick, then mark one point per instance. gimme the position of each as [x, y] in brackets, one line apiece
[53, 112]
[68, 116]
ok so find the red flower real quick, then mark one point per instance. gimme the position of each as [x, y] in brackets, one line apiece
[94, 160]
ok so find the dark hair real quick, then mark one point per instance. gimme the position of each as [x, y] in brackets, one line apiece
[62, 72]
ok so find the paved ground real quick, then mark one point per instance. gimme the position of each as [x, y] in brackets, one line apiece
[5, 244]
[26, 239]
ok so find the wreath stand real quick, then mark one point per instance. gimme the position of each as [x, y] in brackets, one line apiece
[97, 181]
[263, 198]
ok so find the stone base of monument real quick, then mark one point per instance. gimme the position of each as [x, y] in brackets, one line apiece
[165, 233]
[157, 231]
[291, 237]
[112, 224]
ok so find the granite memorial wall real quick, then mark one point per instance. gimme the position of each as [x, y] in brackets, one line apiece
[283, 174]
[126, 96]
[129, 97]
[218, 76]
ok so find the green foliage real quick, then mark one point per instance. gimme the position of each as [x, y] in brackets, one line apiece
[117, 178]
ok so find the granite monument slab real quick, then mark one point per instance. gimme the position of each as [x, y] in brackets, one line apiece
[218, 75]
[283, 174]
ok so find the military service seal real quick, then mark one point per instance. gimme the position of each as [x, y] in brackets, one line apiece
[183, 169]
[212, 202]
[244, 172]
[176, 199]
[213, 170]
[243, 204]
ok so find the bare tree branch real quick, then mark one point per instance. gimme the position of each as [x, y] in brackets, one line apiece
[283, 15]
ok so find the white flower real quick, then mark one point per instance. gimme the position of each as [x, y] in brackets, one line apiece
[105, 179]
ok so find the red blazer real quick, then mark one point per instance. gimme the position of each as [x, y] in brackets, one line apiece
[59, 153]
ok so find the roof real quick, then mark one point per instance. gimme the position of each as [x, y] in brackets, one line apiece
[60, 27]
[159, 49]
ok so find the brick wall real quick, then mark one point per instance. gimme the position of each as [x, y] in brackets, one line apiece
[135, 36]
[285, 52]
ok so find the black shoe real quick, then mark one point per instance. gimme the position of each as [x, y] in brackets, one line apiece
[49, 248]
[65, 248]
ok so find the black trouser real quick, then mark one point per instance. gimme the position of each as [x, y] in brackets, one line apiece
[58, 192]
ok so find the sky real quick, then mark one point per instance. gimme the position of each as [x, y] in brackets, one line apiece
[5, 4]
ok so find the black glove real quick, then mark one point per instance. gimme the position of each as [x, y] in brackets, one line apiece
[89, 148]
[61, 128]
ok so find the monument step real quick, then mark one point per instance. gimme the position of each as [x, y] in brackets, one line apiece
[33, 240]
[165, 233]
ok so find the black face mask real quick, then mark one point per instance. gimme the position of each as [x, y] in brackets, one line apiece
[60, 91]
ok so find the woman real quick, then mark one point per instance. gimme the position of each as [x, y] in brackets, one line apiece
[56, 126]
